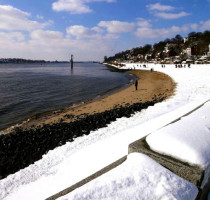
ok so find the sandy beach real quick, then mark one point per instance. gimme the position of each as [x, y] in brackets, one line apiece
[41, 134]
[151, 85]
[68, 153]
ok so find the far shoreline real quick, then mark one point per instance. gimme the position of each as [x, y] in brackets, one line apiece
[123, 96]
[58, 115]
[49, 113]
[29, 143]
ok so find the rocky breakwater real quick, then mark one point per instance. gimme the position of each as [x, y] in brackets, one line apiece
[23, 147]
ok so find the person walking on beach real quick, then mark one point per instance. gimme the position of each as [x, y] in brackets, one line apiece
[136, 84]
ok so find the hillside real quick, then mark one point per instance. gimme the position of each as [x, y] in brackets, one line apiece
[192, 47]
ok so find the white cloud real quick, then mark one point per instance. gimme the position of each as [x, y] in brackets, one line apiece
[205, 25]
[194, 26]
[162, 11]
[162, 33]
[160, 7]
[147, 33]
[117, 26]
[34, 42]
[165, 15]
[75, 6]
[110, 36]
[14, 36]
[15, 19]
[98, 29]
[80, 31]
[54, 45]
[143, 22]
[144, 32]
[185, 28]
[46, 36]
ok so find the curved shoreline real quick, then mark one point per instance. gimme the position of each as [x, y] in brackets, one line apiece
[151, 85]
[23, 147]
[32, 120]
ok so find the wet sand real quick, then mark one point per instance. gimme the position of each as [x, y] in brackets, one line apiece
[31, 140]
[151, 85]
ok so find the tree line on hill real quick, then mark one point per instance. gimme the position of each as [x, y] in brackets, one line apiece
[197, 40]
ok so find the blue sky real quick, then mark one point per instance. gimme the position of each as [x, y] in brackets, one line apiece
[92, 29]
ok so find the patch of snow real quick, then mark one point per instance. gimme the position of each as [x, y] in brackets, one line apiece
[74, 161]
[139, 177]
[188, 139]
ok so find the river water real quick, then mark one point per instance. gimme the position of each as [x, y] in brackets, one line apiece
[30, 89]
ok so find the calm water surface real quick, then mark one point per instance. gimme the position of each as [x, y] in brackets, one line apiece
[30, 89]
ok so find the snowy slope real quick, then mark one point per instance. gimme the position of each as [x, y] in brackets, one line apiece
[139, 177]
[72, 162]
[187, 140]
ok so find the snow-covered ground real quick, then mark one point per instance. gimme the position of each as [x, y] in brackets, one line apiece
[72, 162]
[191, 135]
[139, 177]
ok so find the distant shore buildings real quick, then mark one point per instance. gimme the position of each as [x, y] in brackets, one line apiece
[194, 49]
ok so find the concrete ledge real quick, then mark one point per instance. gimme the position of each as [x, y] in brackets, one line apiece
[88, 179]
[193, 174]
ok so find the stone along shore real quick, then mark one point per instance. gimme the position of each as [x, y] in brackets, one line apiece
[28, 143]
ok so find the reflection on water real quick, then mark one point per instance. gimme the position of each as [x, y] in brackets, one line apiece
[72, 71]
[29, 89]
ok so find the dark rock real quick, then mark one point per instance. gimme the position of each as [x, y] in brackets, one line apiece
[20, 149]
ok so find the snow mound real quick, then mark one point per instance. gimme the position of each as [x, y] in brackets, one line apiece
[139, 177]
[187, 140]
